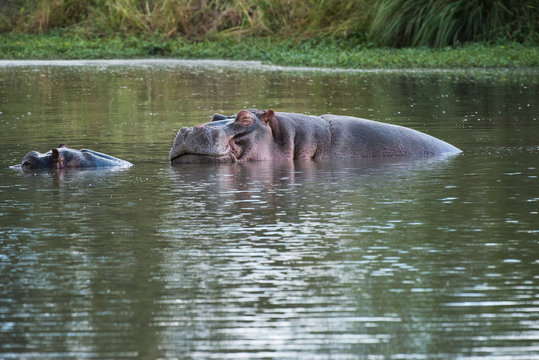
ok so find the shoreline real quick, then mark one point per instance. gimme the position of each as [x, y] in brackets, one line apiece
[309, 54]
[245, 65]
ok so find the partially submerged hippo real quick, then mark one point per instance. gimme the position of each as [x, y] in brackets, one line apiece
[264, 135]
[64, 157]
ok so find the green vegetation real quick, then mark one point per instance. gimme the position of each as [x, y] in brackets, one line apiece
[322, 53]
[440, 23]
[385, 22]
[193, 19]
[329, 33]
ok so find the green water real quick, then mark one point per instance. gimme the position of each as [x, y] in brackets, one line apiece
[351, 259]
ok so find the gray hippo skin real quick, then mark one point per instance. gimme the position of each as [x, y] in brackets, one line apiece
[266, 135]
[64, 157]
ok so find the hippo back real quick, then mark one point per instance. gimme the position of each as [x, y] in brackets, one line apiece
[98, 159]
[356, 137]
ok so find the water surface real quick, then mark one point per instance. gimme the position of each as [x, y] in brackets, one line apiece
[352, 259]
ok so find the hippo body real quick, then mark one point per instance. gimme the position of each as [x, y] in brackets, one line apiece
[64, 157]
[266, 135]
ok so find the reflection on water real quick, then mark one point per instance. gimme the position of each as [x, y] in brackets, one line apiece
[371, 259]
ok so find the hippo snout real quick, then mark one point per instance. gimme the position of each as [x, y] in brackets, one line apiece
[200, 140]
[32, 160]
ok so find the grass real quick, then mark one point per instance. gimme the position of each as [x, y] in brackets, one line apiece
[394, 23]
[192, 19]
[439, 23]
[331, 53]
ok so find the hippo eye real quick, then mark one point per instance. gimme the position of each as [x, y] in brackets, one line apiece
[26, 163]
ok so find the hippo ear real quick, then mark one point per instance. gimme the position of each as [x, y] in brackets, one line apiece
[62, 145]
[268, 116]
[55, 155]
[219, 117]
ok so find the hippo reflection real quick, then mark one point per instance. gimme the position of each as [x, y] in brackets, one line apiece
[64, 157]
[266, 135]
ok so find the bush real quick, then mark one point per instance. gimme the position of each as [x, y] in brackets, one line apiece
[440, 22]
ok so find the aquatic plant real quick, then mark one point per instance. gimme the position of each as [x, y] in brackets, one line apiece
[322, 53]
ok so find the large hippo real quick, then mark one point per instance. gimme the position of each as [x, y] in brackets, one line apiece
[264, 135]
[64, 157]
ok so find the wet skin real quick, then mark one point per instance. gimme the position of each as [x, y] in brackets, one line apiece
[266, 135]
[64, 157]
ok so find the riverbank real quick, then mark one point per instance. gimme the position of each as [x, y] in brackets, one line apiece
[316, 53]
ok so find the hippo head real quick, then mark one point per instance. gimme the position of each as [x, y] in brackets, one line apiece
[59, 158]
[246, 136]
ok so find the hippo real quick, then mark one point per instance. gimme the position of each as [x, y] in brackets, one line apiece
[268, 135]
[63, 157]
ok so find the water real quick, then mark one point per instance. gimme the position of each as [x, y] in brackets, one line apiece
[350, 259]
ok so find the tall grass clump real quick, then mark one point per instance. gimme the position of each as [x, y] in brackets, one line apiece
[190, 18]
[438, 23]
[314, 18]
[41, 15]
[195, 19]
